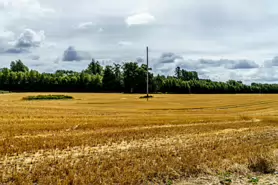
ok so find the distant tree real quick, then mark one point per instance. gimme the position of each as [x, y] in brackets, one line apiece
[130, 71]
[130, 77]
[18, 66]
[119, 83]
[178, 72]
[94, 68]
[141, 79]
[65, 72]
[109, 79]
[187, 75]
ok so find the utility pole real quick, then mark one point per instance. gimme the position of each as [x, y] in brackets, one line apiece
[147, 73]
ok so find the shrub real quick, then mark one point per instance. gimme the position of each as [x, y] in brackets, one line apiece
[4, 92]
[145, 97]
[48, 97]
[261, 164]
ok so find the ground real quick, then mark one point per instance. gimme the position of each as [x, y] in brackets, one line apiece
[122, 139]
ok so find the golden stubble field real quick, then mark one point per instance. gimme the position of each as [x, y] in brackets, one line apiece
[121, 139]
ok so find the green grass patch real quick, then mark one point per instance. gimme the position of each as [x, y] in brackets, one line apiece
[48, 97]
[4, 92]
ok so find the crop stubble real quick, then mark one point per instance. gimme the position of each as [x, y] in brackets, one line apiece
[121, 139]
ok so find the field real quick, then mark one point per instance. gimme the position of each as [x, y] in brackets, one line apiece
[122, 139]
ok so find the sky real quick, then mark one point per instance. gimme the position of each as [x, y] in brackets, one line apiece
[220, 39]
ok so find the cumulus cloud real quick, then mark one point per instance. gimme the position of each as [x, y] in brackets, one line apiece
[242, 64]
[274, 61]
[271, 63]
[223, 63]
[138, 19]
[29, 39]
[263, 75]
[215, 69]
[71, 54]
[168, 57]
[210, 63]
[166, 63]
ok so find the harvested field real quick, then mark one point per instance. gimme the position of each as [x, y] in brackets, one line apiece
[122, 139]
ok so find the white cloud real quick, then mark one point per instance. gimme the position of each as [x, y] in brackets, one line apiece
[85, 25]
[268, 75]
[271, 63]
[138, 19]
[125, 43]
[29, 38]
[71, 54]
[168, 57]
[14, 17]
[6, 35]
[242, 64]
[24, 8]
[223, 63]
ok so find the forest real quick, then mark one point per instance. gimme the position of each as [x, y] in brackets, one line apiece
[128, 78]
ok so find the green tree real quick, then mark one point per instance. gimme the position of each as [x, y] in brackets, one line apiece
[129, 78]
[119, 83]
[94, 68]
[178, 72]
[130, 71]
[18, 66]
[109, 79]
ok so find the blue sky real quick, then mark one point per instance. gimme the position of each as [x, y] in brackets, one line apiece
[221, 39]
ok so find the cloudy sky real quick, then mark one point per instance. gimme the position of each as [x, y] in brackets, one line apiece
[221, 39]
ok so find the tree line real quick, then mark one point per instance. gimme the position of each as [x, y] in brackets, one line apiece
[129, 78]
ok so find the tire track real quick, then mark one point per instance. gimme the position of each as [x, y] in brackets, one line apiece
[225, 107]
[74, 130]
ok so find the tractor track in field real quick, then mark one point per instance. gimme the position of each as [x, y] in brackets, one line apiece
[224, 107]
[76, 131]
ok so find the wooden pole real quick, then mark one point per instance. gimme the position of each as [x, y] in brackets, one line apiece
[147, 73]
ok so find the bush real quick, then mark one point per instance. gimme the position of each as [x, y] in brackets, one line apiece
[145, 97]
[48, 97]
[4, 92]
[262, 164]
